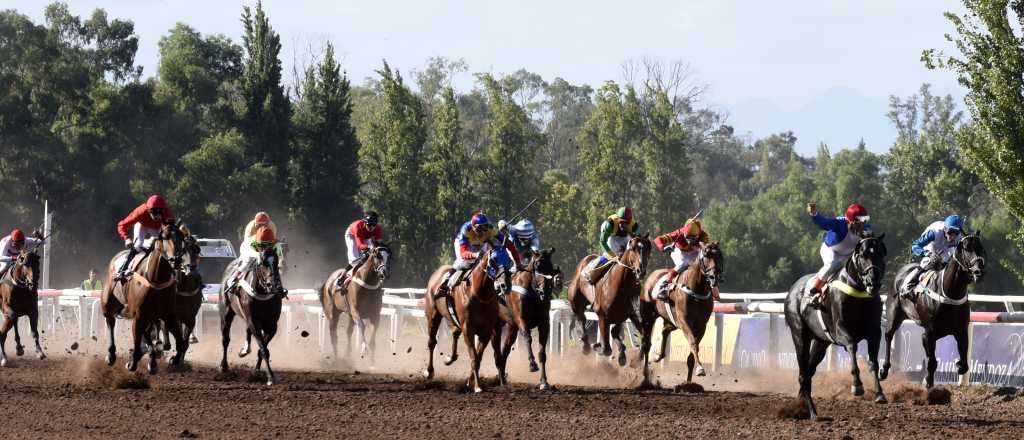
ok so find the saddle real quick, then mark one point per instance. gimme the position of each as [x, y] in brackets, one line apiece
[594, 274]
[134, 264]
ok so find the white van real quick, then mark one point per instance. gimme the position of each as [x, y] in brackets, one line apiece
[215, 254]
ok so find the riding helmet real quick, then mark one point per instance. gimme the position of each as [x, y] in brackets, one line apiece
[156, 202]
[17, 236]
[953, 223]
[856, 213]
[371, 218]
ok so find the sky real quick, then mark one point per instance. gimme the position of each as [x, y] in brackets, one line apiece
[823, 69]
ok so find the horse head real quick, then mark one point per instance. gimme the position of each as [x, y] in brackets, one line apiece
[25, 270]
[711, 265]
[495, 268]
[551, 275]
[268, 274]
[869, 261]
[636, 255]
[382, 255]
[970, 256]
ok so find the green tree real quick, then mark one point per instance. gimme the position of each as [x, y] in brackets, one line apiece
[665, 162]
[507, 181]
[446, 168]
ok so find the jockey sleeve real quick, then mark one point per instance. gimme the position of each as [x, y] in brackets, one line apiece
[139, 215]
[7, 255]
[512, 250]
[836, 228]
[678, 239]
[361, 236]
[918, 247]
[469, 239]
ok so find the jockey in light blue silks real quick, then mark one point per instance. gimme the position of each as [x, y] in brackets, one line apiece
[841, 238]
[935, 246]
[522, 234]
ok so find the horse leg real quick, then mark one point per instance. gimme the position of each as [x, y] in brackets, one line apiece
[334, 322]
[929, 353]
[33, 324]
[4, 329]
[645, 349]
[510, 341]
[264, 353]
[227, 316]
[18, 348]
[432, 327]
[373, 338]
[473, 382]
[873, 367]
[894, 317]
[179, 332]
[816, 353]
[499, 363]
[111, 350]
[528, 338]
[166, 336]
[666, 329]
[349, 331]
[364, 348]
[270, 329]
[454, 355]
[581, 322]
[138, 331]
[153, 355]
[542, 338]
[617, 334]
[858, 387]
[961, 347]
[247, 348]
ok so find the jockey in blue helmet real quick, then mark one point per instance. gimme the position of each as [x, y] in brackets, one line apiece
[934, 247]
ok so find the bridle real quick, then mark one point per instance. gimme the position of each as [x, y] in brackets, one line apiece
[976, 265]
[16, 272]
[638, 245]
[383, 254]
[712, 274]
[873, 269]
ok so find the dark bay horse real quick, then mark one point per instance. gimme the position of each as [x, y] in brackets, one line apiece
[616, 298]
[529, 309]
[690, 304]
[188, 293]
[257, 300]
[362, 300]
[145, 298]
[943, 310]
[850, 312]
[19, 297]
[476, 313]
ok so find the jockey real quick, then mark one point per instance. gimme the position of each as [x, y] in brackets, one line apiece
[842, 236]
[934, 247]
[144, 223]
[616, 231]
[523, 235]
[475, 238]
[261, 219]
[12, 245]
[252, 249]
[686, 244]
[361, 236]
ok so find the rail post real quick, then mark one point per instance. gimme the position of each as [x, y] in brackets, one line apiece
[773, 348]
[717, 366]
[82, 322]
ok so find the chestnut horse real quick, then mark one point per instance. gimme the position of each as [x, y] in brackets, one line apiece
[616, 298]
[476, 313]
[362, 300]
[19, 297]
[530, 309]
[850, 311]
[690, 304]
[257, 300]
[145, 298]
[944, 310]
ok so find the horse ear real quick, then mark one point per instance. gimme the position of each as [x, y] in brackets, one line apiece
[977, 232]
[647, 235]
[551, 251]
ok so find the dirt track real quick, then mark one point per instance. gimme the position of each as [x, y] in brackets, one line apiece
[79, 397]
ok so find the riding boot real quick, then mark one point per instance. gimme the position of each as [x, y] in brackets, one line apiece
[342, 281]
[663, 288]
[122, 272]
[815, 291]
[450, 280]
[912, 281]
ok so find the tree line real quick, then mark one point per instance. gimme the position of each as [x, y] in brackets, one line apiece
[217, 131]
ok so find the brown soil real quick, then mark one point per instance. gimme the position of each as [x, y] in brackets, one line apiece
[77, 396]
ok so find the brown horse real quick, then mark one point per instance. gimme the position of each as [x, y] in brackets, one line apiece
[362, 300]
[145, 298]
[19, 297]
[616, 298]
[530, 308]
[690, 304]
[188, 296]
[257, 299]
[943, 311]
[476, 313]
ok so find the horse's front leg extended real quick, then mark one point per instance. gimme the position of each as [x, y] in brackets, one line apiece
[960, 335]
[542, 338]
[617, 333]
[4, 329]
[528, 338]
[603, 327]
[873, 367]
[247, 348]
[138, 332]
[18, 348]
[111, 349]
[929, 353]
[454, 355]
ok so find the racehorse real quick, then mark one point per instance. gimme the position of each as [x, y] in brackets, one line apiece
[690, 304]
[530, 308]
[362, 299]
[188, 297]
[943, 310]
[475, 315]
[19, 297]
[146, 297]
[257, 299]
[850, 311]
[616, 298]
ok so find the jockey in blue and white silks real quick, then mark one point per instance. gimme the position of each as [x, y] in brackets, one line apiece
[841, 238]
[523, 234]
[474, 239]
[935, 246]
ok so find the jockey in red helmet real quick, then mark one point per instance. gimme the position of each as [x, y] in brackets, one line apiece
[139, 226]
[841, 238]
[12, 245]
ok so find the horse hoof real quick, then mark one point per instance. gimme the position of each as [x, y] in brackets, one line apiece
[880, 399]
[857, 390]
[223, 367]
[3, 363]
[883, 374]
[478, 390]
[193, 340]
[19, 350]
[152, 369]
[111, 359]
[41, 356]
[128, 366]
[544, 386]
[244, 352]
[622, 360]
[586, 349]
[167, 346]
[533, 367]
[428, 373]
[701, 372]
[450, 360]
[271, 382]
